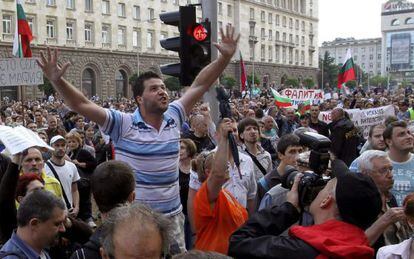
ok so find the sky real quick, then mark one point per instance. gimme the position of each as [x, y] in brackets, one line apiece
[349, 18]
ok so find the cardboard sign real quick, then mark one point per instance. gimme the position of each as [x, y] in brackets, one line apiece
[20, 71]
[300, 95]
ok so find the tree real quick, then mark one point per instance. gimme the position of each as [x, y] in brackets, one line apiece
[47, 87]
[256, 79]
[291, 82]
[308, 83]
[228, 81]
[172, 84]
[378, 80]
[329, 68]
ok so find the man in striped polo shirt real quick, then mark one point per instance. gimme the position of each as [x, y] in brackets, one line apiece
[148, 139]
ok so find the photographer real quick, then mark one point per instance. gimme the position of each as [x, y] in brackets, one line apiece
[340, 215]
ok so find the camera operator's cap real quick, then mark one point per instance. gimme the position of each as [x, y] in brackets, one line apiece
[56, 138]
[357, 197]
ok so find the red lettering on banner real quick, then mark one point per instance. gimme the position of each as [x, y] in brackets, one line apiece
[288, 93]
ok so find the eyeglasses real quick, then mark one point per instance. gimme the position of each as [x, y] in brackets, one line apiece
[384, 171]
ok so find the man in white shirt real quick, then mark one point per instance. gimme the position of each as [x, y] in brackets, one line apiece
[65, 172]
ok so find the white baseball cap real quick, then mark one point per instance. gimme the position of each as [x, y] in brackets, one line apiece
[56, 138]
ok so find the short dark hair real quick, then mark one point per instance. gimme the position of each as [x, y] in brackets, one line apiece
[390, 128]
[243, 124]
[111, 184]
[138, 86]
[288, 140]
[38, 204]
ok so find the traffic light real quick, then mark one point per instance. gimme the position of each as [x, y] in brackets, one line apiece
[193, 45]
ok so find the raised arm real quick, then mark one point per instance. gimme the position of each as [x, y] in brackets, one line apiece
[210, 73]
[219, 173]
[73, 98]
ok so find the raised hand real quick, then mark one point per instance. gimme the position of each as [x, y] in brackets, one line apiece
[228, 44]
[51, 69]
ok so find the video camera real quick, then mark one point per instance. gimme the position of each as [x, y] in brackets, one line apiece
[313, 181]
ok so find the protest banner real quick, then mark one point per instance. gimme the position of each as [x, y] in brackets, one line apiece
[300, 95]
[365, 118]
[20, 71]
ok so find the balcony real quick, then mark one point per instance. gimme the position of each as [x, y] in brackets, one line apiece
[312, 48]
[253, 39]
[106, 45]
[8, 37]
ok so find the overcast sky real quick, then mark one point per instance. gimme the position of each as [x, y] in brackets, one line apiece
[349, 18]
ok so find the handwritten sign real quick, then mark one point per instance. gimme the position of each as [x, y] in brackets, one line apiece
[20, 71]
[300, 95]
[365, 118]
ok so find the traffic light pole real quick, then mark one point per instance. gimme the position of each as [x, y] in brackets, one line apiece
[209, 9]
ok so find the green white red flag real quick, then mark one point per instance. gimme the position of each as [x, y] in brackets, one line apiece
[243, 77]
[281, 101]
[347, 71]
[23, 35]
[306, 105]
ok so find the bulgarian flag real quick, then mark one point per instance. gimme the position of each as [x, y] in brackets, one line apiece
[23, 35]
[281, 101]
[347, 72]
[306, 105]
[243, 78]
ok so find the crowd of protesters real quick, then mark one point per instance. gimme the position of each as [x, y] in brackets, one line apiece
[155, 177]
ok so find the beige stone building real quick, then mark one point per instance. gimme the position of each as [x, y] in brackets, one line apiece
[109, 40]
[365, 52]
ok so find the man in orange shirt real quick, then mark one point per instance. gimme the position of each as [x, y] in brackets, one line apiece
[217, 214]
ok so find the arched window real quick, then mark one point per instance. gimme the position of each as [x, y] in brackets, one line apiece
[395, 22]
[409, 21]
[121, 84]
[89, 82]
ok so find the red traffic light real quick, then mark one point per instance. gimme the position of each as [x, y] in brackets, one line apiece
[200, 33]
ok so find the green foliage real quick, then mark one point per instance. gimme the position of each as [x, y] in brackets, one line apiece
[291, 82]
[47, 87]
[133, 78]
[228, 81]
[172, 84]
[308, 83]
[381, 81]
[329, 68]
[256, 79]
[351, 83]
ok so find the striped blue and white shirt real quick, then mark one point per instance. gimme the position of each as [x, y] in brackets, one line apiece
[152, 154]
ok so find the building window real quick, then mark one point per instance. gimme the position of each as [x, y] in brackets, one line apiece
[31, 22]
[296, 6]
[395, 22]
[176, 2]
[284, 55]
[50, 28]
[151, 15]
[262, 33]
[220, 8]
[283, 3]
[290, 56]
[121, 9]
[150, 40]
[297, 40]
[277, 36]
[70, 4]
[88, 6]
[263, 16]
[303, 26]
[290, 5]
[296, 57]
[277, 3]
[136, 38]
[262, 52]
[106, 7]
[50, 2]
[251, 30]
[277, 54]
[251, 14]
[89, 82]
[70, 30]
[379, 56]
[270, 51]
[270, 35]
[136, 12]
[297, 24]
[229, 10]
[290, 23]
[284, 21]
[88, 32]
[303, 40]
[302, 57]
[290, 38]
[270, 18]
[371, 57]
[7, 21]
[121, 80]
[284, 39]
[409, 21]
[277, 20]
[355, 58]
[106, 34]
[121, 35]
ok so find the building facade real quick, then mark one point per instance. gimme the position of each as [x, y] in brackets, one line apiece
[397, 26]
[107, 41]
[365, 52]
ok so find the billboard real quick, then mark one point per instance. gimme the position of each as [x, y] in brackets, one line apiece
[400, 49]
